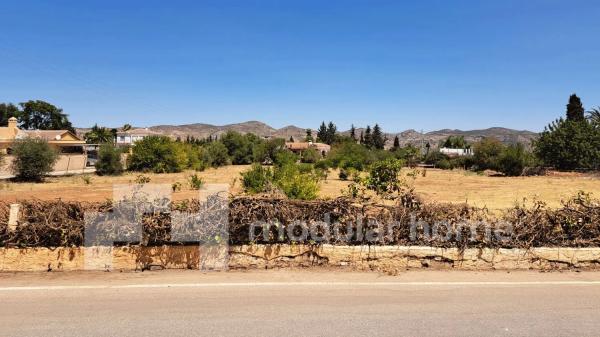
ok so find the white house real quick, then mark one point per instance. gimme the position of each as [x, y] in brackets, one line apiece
[456, 152]
[131, 136]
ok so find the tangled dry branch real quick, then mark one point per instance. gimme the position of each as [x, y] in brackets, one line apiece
[575, 224]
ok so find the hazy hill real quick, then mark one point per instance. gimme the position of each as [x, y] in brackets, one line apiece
[200, 130]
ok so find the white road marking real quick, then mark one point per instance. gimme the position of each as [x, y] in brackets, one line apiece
[303, 284]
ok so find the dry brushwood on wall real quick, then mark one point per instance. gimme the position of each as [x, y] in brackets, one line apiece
[575, 224]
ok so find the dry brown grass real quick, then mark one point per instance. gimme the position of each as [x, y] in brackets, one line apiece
[445, 186]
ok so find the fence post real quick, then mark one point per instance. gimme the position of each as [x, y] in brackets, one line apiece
[13, 218]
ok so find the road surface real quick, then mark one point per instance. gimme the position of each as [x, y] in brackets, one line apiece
[300, 303]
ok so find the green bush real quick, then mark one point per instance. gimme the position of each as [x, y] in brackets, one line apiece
[109, 161]
[296, 181]
[195, 182]
[322, 165]
[351, 154]
[444, 164]
[34, 159]
[215, 154]
[343, 175]
[310, 155]
[194, 154]
[257, 180]
[384, 177]
[265, 152]
[569, 145]
[157, 154]
[285, 157]
[240, 147]
[486, 153]
[513, 160]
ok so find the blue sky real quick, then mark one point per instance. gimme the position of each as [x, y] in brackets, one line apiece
[419, 64]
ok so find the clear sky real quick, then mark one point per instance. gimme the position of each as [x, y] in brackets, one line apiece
[404, 64]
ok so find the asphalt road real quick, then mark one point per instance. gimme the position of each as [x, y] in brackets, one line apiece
[300, 304]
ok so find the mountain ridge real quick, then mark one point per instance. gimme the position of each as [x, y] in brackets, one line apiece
[409, 136]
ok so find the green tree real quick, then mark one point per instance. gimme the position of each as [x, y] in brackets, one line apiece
[322, 133]
[265, 152]
[486, 153]
[8, 110]
[513, 159]
[33, 159]
[158, 154]
[377, 138]
[43, 116]
[331, 133]
[99, 135]
[368, 140]
[309, 137]
[594, 116]
[575, 110]
[353, 132]
[257, 180]
[109, 161]
[310, 155]
[384, 177]
[570, 144]
[126, 127]
[396, 143]
[215, 154]
[239, 147]
[455, 142]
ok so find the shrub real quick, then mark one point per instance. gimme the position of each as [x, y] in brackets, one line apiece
[264, 152]
[343, 175]
[322, 165]
[486, 153]
[86, 179]
[109, 161]
[257, 179]
[176, 186]
[296, 184]
[240, 147]
[142, 179]
[569, 145]
[310, 155]
[195, 182]
[34, 159]
[384, 177]
[434, 157]
[294, 180]
[444, 164]
[194, 155]
[285, 157]
[513, 160]
[215, 154]
[158, 154]
[351, 154]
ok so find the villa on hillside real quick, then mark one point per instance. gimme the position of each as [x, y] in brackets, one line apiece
[298, 147]
[456, 152]
[72, 157]
[129, 137]
[64, 141]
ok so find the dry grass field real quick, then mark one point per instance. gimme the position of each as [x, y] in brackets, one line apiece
[437, 185]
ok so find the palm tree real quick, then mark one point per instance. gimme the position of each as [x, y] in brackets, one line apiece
[594, 116]
[98, 135]
[126, 127]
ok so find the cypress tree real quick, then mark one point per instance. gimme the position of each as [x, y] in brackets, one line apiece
[575, 110]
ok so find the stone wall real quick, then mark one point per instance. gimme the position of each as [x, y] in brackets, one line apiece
[379, 258]
[66, 163]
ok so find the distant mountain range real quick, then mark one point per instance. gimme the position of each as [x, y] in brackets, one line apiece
[199, 130]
